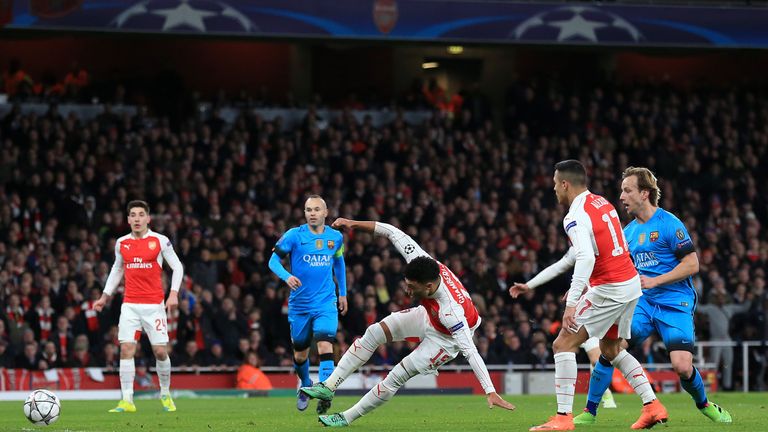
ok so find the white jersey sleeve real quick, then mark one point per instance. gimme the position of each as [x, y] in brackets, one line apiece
[173, 261]
[578, 226]
[406, 245]
[563, 265]
[117, 271]
[452, 317]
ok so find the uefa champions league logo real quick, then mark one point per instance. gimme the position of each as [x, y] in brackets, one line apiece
[185, 16]
[577, 24]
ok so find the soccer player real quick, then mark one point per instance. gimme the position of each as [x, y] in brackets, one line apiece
[139, 256]
[592, 348]
[666, 259]
[602, 296]
[444, 323]
[317, 253]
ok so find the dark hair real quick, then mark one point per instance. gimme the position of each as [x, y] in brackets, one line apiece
[422, 269]
[137, 203]
[572, 171]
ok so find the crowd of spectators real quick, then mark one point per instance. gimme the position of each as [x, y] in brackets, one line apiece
[475, 192]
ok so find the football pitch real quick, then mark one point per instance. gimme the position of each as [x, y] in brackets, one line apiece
[402, 413]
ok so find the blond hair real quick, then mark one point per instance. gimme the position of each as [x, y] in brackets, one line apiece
[647, 181]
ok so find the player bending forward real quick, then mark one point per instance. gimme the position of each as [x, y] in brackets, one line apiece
[139, 255]
[600, 260]
[444, 323]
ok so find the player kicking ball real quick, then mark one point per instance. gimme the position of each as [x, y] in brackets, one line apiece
[444, 323]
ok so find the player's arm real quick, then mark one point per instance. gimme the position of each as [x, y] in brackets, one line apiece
[683, 250]
[455, 321]
[113, 280]
[404, 244]
[584, 255]
[340, 270]
[169, 255]
[283, 249]
[554, 270]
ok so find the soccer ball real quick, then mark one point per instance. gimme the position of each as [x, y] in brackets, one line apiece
[42, 407]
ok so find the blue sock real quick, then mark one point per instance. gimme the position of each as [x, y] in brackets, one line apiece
[326, 366]
[599, 382]
[302, 370]
[695, 387]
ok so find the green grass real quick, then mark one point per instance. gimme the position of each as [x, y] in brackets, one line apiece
[403, 413]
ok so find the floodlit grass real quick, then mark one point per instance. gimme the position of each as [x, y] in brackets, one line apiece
[403, 413]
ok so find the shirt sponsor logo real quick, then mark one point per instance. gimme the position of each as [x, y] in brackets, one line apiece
[139, 265]
[645, 259]
[654, 236]
[641, 238]
[317, 260]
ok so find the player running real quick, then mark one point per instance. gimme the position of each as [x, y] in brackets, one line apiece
[317, 254]
[664, 255]
[139, 255]
[444, 323]
[602, 296]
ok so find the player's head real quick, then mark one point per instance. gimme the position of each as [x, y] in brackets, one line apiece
[315, 211]
[422, 276]
[639, 190]
[138, 216]
[570, 180]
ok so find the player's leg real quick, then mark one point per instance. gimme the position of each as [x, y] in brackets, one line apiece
[301, 337]
[612, 349]
[676, 330]
[128, 327]
[602, 374]
[565, 347]
[155, 324]
[324, 326]
[426, 358]
[398, 326]
[592, 348]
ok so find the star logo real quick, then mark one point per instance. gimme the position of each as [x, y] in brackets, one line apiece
[184, 16]
[577, 24]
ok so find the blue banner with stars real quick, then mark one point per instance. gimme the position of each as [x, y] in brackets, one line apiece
[406, 20]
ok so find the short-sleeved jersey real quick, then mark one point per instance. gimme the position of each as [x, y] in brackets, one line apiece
[142, 260]
[312, 258]
[612, 260]
[657, 247]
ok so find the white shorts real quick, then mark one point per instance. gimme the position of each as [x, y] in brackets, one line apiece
[591, 344]
[151, 317]
[599, 313]
[435, 349]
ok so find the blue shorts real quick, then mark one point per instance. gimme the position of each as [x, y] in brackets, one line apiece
[674, 326]
[320, 325]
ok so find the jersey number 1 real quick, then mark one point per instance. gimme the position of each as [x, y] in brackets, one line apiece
[614, 225]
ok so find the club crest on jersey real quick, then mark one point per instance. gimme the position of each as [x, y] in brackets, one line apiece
[641, 238]
[654, 236]
[331, 244]
[152, 245]
[679, 234]
[318, 244]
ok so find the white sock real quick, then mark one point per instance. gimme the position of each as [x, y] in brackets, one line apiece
[127, 376]
[163, 368]
[361, 350]
[635, 375]
[565, 381]
[378, 395]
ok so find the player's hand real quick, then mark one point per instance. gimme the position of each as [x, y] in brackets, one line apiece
[293, 282]
[648, 282]
[343, 305]
[495, 400]
[341, 223]
[569, 320]
[172, 302]
[518, 288]
[100, 303]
